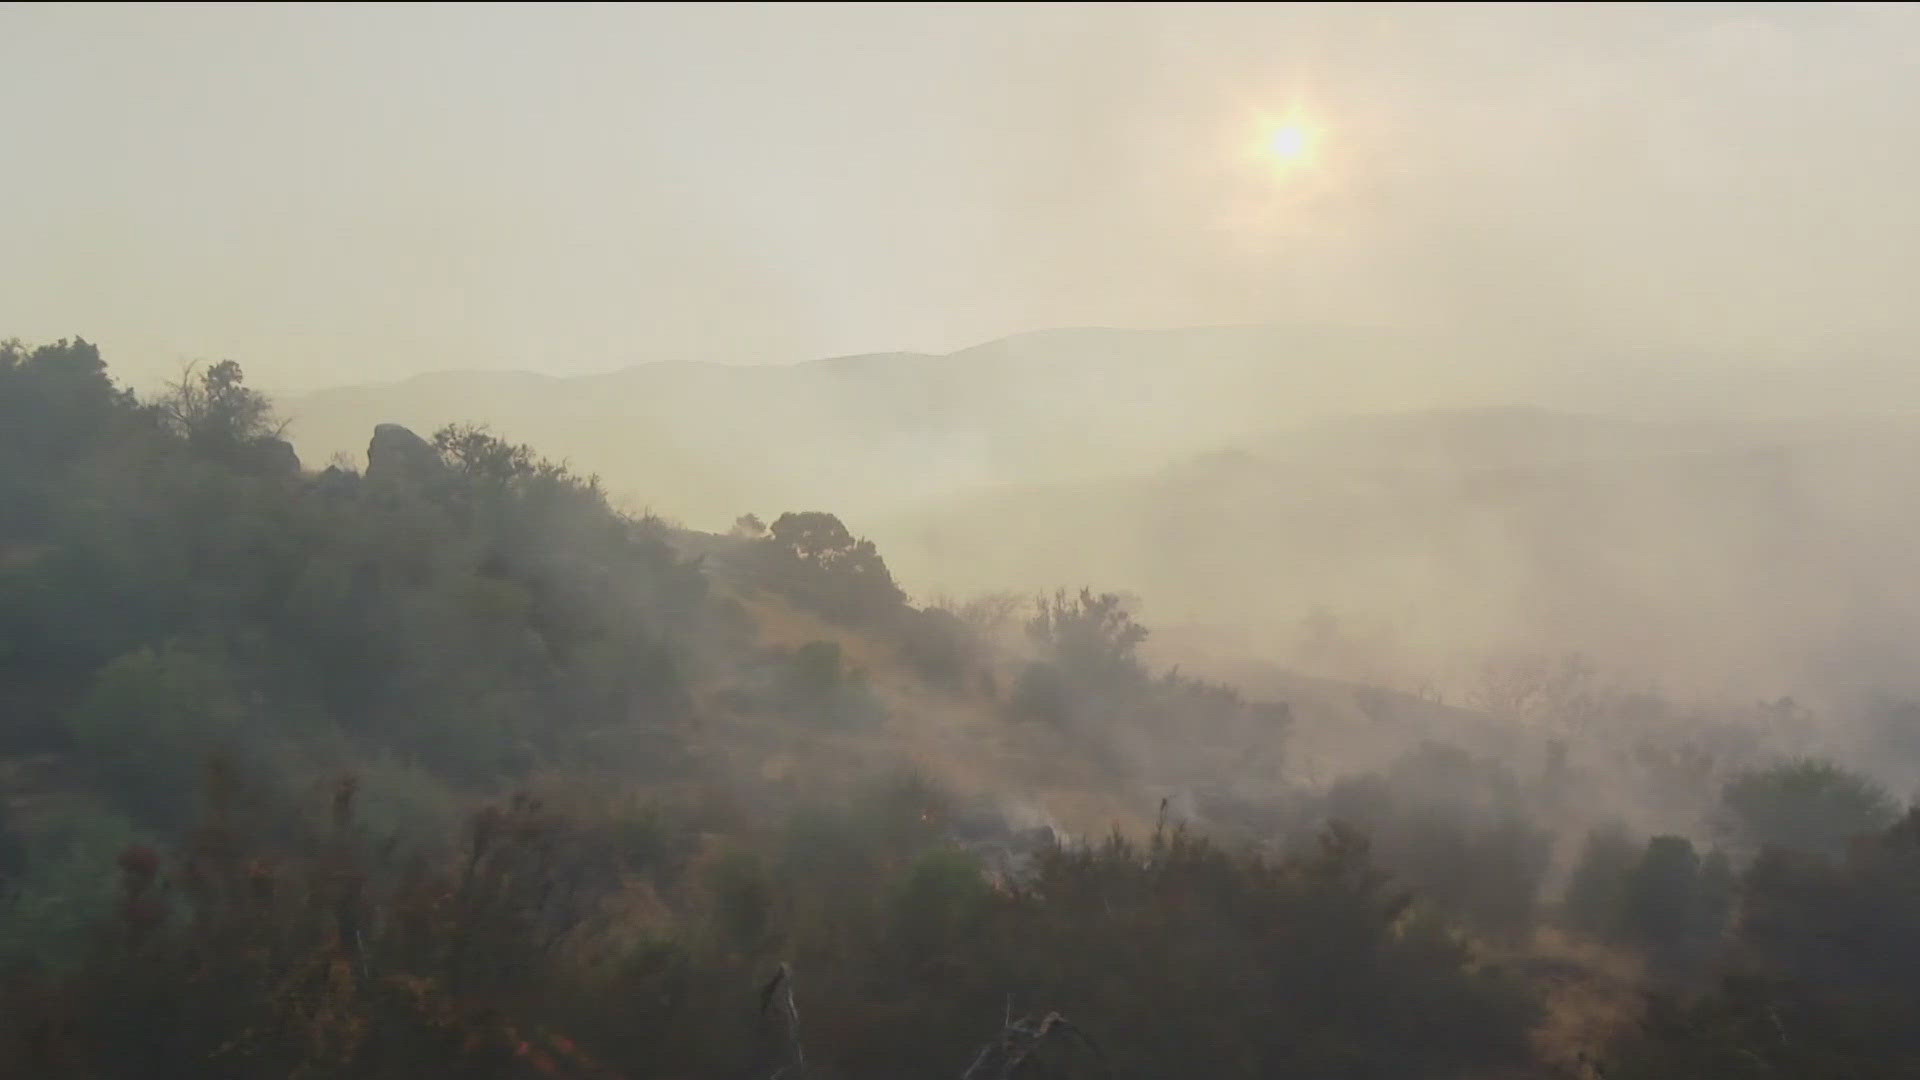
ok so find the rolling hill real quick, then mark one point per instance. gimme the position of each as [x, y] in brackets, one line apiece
[705, 442]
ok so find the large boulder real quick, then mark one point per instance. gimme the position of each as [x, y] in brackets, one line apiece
[276, 457]
[396, 453]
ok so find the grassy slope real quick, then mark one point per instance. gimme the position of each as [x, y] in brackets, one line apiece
[959, 740]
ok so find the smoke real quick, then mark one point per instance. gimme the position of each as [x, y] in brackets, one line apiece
[1587, 330]
[358, 194]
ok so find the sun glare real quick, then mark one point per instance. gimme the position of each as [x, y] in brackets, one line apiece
[1290, 143]
[1284, 161]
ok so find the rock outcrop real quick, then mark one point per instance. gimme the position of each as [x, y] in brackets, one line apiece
[277, 457]
[396, 453]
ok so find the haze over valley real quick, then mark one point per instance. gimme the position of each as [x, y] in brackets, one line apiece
[1022, 542]
[1237, 480]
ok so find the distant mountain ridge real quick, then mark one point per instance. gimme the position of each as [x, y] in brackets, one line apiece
[707, 441]
[869, 432]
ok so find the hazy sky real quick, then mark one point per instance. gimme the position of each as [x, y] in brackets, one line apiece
[338, 194]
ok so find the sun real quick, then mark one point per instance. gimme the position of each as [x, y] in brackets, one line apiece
[1290, 143]
[1287, 160]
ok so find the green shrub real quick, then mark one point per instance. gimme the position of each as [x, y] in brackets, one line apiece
[151, 721]
[1804, 805]
[66, 885]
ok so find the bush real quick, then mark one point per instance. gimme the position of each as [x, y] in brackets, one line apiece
[1093, 639]
[1040, 693]
[1307, 966]
[66, 883]
[820, 688]
[1596, 891]
[941, 647]
[1674, 906]
[1824, 977]
[1458, 830]
[150, 722]
[1804, 805]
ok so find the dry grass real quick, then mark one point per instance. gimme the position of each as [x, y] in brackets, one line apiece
[1591, 994]
[959, 740]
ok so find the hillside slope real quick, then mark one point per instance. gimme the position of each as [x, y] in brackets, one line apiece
[1762, 557]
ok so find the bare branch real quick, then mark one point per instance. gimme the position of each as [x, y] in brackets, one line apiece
[1002, 1058]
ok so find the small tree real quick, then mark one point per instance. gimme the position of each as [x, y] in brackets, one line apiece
[1092, 638]
[826, 566]
[478, 454]
[1559, 692]
[53, 398]
[215, 411]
